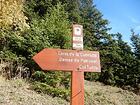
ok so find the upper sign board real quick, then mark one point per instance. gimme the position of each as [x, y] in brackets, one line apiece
[77, 37]
[68, 60]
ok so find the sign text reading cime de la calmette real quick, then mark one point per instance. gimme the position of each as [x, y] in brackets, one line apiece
[68, 60]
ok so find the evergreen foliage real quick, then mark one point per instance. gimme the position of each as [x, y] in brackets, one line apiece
[136, 44]
[50, 30]
[49, 26]
[135, 75]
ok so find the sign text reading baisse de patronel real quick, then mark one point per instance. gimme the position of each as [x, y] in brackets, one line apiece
[68, 60]
[76, 61]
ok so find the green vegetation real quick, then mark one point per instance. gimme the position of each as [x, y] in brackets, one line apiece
[19, 92]
[37, 24]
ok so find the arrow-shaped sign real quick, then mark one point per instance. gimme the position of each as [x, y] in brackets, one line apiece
[68, 60]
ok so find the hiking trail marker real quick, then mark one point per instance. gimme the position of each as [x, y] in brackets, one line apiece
[75, 61]
[77, 40]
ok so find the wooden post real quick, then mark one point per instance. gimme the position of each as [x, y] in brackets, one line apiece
[76, 61]
[77, 88]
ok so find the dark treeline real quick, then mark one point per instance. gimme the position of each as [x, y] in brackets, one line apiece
[47, 23]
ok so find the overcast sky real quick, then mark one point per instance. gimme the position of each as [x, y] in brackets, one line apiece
[123, 15]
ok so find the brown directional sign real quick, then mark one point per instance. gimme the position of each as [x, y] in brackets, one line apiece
[68, 60]
[76, 61]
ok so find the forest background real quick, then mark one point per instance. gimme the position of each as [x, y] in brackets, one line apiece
[27, 27]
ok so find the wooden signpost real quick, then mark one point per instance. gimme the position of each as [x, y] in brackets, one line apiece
[76, 61]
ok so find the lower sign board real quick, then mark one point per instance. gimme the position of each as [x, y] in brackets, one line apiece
[68, 60]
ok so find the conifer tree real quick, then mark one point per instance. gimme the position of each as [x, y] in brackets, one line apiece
[135, 75]
[135, 38]
[95, 27]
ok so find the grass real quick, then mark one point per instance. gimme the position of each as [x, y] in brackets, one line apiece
[99, 94]
[18, 92]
